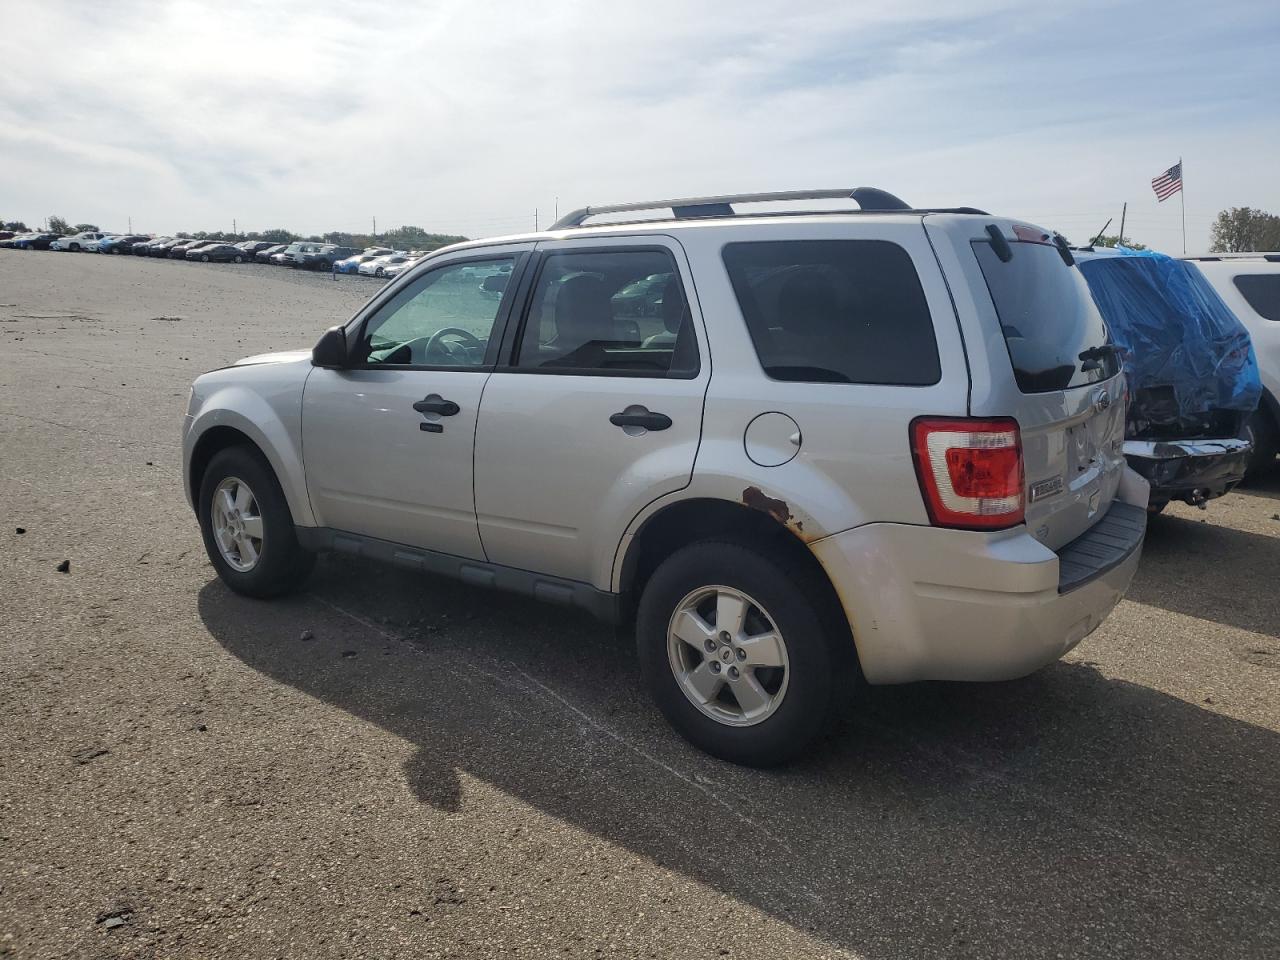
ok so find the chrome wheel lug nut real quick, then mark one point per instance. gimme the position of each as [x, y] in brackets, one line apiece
[710, 645]
[715, 666]
[742, 654]
[733, 673]
[724, 636]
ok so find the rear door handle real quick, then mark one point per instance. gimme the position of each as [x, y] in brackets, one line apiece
[640, 417]
[434, 403]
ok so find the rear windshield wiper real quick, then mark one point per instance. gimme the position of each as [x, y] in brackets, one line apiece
[1094, 354]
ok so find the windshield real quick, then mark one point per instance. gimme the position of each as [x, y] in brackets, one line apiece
[1055, 336]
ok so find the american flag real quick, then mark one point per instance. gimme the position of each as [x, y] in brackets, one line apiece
[1169, 182]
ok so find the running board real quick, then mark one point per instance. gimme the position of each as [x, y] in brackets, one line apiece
[479, 573]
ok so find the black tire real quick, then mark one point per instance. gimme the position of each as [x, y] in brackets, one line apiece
[75, 248]
[237, 259]
[796, 607]
[204, 258]
[1266, 443]
[282, 565]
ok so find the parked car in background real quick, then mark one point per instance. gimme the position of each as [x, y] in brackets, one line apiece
[179, 251]
[352, 264]
[264, 255]
[1192, 380]
[6, 235]
[217, 253]
[36, 241]
[295, 252]
[76, 243]
[934, 492]
[395, 269]
[324, 257]
[377, 267]
[251, 247]
[122, 244]
[161, 248]
[144, 247]
[1250, 285]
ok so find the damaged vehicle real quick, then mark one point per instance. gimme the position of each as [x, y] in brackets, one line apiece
[1191, 373]
[905, 464]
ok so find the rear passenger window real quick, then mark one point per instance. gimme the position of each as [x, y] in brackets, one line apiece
[1262, 292]
[618, 312]
[835, 311]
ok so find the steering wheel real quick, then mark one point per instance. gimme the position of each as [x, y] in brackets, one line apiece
[437, 340]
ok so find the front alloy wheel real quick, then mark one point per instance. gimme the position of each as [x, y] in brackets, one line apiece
[237, 524]
[728, 656]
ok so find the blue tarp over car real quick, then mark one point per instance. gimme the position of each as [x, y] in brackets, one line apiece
[1189, 362]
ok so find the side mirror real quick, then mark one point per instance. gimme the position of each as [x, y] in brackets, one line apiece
[331, 351]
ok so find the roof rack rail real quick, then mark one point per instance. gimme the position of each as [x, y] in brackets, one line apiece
[1246, 255]
[867, 198]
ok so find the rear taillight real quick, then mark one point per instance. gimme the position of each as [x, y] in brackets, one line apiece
[970, 471]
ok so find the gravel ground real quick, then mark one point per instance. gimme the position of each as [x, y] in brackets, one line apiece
[441, 772]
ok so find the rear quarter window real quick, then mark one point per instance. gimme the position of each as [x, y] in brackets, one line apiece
[1262, 292]
[835, 311]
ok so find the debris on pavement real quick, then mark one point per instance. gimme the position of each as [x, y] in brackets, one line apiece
[64, 566]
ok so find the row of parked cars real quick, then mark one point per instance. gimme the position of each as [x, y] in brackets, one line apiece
[928, 449]
[382, 262]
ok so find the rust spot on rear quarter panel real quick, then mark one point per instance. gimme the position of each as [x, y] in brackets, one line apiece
[757, 499]
[780, 510]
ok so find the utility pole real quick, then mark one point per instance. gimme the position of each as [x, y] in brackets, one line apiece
[557, 219]
[535, 219]
[131, 224]
[375, 228]
[234, 232]
[1123, 211]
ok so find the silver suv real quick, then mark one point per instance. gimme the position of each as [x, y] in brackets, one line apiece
[883, 443]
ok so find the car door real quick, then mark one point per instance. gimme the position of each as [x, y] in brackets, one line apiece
[388, 441]
[593, 414]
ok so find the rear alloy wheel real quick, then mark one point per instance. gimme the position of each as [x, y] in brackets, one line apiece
[379, 272]
[237, 259]
[728, 656]
[247, 527]
[736, 652]
[204, 258]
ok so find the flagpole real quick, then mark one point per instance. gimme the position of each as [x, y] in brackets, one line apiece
[1182, 195]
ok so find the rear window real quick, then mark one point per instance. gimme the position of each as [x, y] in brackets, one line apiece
[1051, 326]
[835, 311]
[1262, 292]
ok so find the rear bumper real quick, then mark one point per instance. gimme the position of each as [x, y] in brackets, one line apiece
[932, 604]
[1192, 470]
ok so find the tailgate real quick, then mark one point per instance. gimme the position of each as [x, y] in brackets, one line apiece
[1045, 357]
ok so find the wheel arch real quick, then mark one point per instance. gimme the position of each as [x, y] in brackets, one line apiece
[222, 428]
[684, 522]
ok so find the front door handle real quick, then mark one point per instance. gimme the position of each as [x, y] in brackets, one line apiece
[434, 403]
[640, 417]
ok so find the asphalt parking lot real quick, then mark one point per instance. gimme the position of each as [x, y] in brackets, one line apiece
[443, 772]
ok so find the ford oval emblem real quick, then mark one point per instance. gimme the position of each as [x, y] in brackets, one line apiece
[1103, 402]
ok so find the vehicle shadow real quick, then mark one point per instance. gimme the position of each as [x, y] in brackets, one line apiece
[1067, 814]
[1264, 486]
[1201, 569]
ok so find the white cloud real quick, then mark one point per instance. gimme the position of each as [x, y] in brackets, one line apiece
[466, 115]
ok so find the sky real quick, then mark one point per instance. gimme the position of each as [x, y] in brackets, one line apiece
[466, 116]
